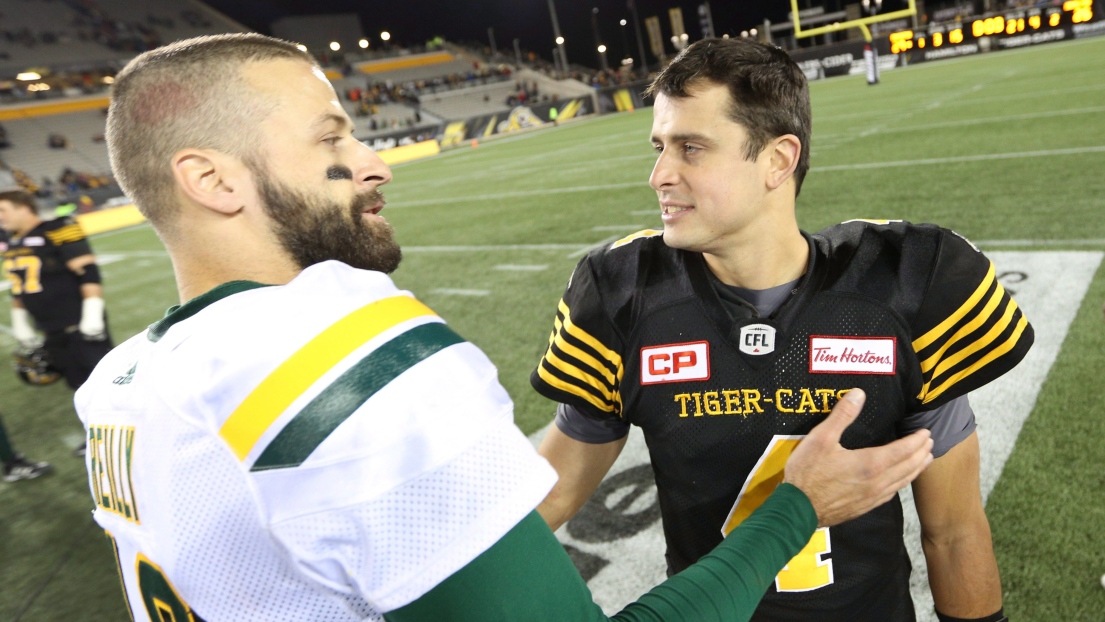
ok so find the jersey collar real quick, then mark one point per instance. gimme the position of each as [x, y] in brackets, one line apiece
[179, 313]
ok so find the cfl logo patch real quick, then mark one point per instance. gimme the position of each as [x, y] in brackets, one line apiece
[677, 362]
[757, 339]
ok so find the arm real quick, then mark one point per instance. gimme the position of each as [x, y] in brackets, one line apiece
[580, 468]
[92, 324]
[526, 575]
[955, 535]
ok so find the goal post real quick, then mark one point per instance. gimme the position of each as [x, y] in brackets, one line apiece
[870, 56]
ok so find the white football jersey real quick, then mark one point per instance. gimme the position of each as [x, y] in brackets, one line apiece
[322, 450]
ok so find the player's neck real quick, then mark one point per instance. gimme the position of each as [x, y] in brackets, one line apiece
[201, 267]
[762, 263]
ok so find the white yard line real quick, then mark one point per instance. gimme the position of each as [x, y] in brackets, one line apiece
[445, 291]
[633, 227]
[521, 268]
[490, 247]
[1082, 242]
[586, 249]
[969, 158]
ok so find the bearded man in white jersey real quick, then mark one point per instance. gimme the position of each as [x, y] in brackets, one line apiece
[301, 440]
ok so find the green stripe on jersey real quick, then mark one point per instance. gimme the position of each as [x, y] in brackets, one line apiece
[344, 396]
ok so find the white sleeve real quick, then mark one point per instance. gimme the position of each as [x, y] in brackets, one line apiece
[398, 546]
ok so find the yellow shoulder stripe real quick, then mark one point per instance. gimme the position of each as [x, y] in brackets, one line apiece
[293, 377]
[647, 233]
[928, 338]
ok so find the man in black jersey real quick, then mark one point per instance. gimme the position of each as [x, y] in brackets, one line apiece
[55, 286]
[728, 335]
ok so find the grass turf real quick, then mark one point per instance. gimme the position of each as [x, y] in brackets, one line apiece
[1006, 148]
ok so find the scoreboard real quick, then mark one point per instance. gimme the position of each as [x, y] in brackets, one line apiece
[1013, 28]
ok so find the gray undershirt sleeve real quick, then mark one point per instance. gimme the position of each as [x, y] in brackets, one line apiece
[950, 424]
[584, 428]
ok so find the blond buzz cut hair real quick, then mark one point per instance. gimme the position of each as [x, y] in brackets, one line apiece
[188, 94]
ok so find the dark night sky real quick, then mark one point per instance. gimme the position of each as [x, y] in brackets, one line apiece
[416, 21]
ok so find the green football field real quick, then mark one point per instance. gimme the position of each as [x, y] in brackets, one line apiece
[1006, 148]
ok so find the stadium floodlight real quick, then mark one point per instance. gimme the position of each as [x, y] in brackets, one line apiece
[363, 43]
[623, 22]
[560, 40]
[385, 36]
[334, 45]
[28, 76]
[301, 47]
[602, 49]
[753, 32]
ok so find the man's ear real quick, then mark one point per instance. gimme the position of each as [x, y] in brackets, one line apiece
[214, 180]
[784, 152]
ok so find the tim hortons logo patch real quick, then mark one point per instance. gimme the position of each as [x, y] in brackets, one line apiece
[757, 339]
[853, 355]
[677, 362]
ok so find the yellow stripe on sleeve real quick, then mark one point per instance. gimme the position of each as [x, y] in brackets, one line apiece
[557, 383]
[991, 335]
[967, 329]
[583, 357]
[984, 361]
[294, 376]
[928, 338]
[577, 332]
[579, 374]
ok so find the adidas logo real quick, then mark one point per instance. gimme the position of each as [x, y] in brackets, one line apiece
[127, 377]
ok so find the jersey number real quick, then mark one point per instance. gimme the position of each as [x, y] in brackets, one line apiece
[163, 603]
[31, 268]
[807, 570]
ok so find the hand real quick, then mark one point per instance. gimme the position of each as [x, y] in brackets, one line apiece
[92, 320]
[843, 484]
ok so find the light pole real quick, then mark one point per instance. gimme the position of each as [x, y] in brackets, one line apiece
[640, 41]
[595, 33]
[625, 41]
[559, 37]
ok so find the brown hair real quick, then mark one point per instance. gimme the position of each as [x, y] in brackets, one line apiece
[770, 97]
[20, 197]
[189, 94]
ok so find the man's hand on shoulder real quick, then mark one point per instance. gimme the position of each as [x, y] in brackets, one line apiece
[843, 484]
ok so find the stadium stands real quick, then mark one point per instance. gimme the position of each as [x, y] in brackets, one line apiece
[52, 33]
[85, 150]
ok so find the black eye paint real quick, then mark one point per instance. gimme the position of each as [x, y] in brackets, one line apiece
[338, 173]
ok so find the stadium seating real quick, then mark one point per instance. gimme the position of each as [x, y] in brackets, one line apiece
[37, 33]
[83, 131]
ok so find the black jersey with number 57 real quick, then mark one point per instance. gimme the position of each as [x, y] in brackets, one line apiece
[35, 266]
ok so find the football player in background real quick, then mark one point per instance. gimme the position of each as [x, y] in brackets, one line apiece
[300, 439]
[56, 288]
[731, 333]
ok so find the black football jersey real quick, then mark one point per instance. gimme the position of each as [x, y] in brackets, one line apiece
[35, 265]
[912, 314]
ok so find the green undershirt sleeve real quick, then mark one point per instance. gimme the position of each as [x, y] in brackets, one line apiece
[528, 576]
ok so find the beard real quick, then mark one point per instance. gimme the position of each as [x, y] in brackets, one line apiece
[315, 230]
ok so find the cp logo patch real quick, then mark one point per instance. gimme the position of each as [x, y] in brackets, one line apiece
[677, 362]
